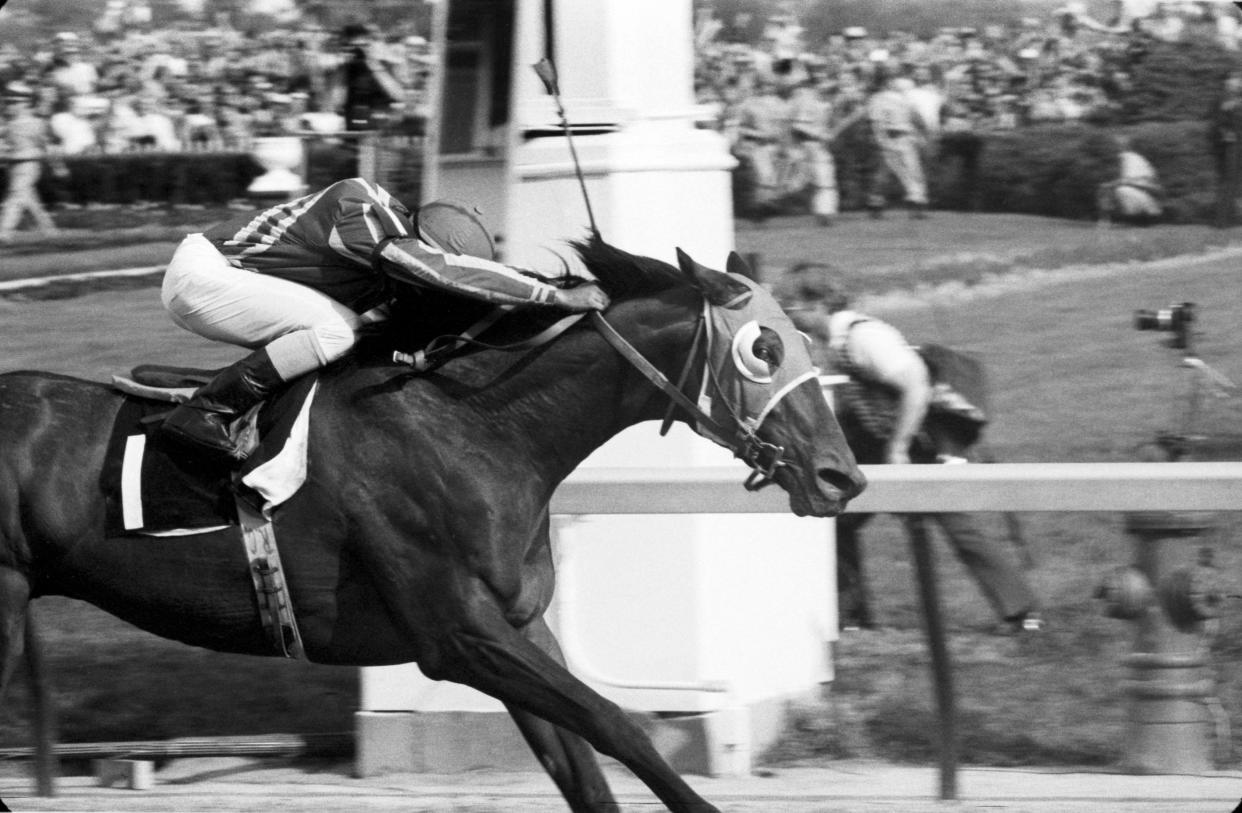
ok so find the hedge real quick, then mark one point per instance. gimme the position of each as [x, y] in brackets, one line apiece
[201, 178]
[1055, 170]
[127, 178]
[1050, 170]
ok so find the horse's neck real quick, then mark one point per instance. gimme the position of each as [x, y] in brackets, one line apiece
[582, 391]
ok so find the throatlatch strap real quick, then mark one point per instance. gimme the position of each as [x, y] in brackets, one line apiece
[275, 605]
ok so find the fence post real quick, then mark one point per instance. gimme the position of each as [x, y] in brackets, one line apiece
[942, 668]
[44, 713]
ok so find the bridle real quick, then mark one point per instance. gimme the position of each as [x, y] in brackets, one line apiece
[741, 438]
[763, 458]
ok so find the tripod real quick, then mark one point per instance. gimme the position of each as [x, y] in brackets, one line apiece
[1203, 382]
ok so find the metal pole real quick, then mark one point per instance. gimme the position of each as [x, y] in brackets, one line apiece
[942, 668]
[546, 70]
[44, 714]
[429, 183]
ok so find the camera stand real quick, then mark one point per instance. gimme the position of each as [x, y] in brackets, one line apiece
[1205, 381]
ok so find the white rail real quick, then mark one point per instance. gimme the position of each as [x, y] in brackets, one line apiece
[918, 489]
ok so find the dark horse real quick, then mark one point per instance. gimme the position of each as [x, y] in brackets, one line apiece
[421, 533]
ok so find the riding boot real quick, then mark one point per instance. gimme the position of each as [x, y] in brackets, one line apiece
[204, 420]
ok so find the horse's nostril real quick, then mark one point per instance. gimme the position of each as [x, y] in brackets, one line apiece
[842, 482]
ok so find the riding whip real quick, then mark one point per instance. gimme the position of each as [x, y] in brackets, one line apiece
[547, 74]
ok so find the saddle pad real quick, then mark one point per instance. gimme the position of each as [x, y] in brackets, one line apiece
[152, 486]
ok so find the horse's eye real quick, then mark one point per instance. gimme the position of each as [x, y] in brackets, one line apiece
[757, 352]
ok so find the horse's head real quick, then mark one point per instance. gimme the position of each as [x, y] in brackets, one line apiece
[748, 381]
[759, 385]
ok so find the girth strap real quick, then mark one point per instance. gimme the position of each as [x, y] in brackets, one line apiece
[271, 590]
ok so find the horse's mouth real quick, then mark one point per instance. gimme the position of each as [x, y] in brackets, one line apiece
[816, 499]
[816, 508]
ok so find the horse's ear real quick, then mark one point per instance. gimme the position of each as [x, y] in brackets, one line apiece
[736, 265]
[717, 288]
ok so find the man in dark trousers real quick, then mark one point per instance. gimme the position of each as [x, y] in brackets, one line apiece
[1225, 132]
[899, 407]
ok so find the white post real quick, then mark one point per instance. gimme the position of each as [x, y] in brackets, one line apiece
[721, 618]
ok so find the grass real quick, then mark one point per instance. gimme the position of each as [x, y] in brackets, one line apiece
[1072, 380]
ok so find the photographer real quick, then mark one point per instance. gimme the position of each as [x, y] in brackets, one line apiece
[901, 405]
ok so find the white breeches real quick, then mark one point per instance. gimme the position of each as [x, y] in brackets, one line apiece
[302, 328]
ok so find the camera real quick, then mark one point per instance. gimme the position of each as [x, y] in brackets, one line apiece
[1175, 319]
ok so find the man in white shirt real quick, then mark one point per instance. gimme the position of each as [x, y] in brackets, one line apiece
[895, 411]
[900, 134]
[69, 72]
[1132, 197]
[149, 128]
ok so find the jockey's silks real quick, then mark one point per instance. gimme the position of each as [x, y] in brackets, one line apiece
[349, 239]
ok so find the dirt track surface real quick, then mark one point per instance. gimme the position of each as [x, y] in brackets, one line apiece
[192, 785]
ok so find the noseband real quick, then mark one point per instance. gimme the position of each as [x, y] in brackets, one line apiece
[763, 458]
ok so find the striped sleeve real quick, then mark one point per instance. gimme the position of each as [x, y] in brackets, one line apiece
[366, 216]
[411, 260]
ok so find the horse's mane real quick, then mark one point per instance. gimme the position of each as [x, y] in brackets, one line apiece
[430, 314]
[624, 275]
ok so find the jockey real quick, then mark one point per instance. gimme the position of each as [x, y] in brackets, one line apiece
[295, 281]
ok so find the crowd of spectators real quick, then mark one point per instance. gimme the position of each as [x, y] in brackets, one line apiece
[214, 87]
[1066, 67]
[958, 84]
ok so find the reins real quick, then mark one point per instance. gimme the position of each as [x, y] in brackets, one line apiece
[763, 458]
[441, 348]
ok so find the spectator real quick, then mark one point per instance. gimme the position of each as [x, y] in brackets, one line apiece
[72, 133]
[199, 127]
[960, 141]
[150, 129]
[900, 135]
[26, 146]
[236, 131]
[927, 100]
[69, 72]
[762, 119]
[902, 405]
[810, 148]
[364, 85]
[1132, 197]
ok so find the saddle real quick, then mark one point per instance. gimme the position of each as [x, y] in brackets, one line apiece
[160, 486]
[153, 487]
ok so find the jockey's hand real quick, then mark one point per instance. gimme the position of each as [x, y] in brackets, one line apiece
[588, 297]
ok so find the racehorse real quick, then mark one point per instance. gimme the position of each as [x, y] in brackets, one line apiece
[422, 530]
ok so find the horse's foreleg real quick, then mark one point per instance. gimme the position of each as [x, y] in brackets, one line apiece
[567, 758]
[14, 598]
[487, 654]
